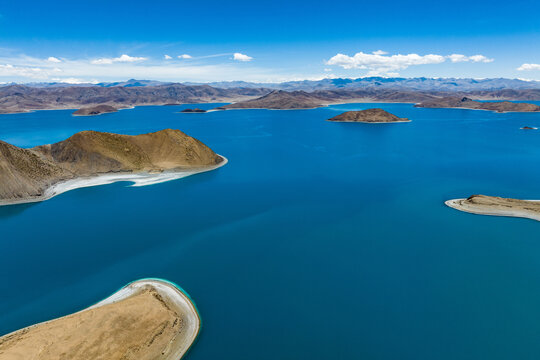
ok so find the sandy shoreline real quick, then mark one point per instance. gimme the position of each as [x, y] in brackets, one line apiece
[138, 179]
[169, 294]
[174, 296]
[521, 210]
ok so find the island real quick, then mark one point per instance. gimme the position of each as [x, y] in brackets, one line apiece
[196, 110]
[528, 128]
[147, 319]
[467, 103]
[497, 206]
[370, 116]
[91, 158]
[95, 110]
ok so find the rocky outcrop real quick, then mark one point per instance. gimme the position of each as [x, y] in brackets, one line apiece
[95, 110]
[373, 116]
[196, 110]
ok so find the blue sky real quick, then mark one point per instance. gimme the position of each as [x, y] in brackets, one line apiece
[273, 41]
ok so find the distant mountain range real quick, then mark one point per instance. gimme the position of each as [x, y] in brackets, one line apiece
[417, 84]
[22, 98]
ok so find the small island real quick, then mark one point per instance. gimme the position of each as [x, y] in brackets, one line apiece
[370, 116]
[92, 158]
[497, 206]
[467, 103]
[147, 319]
[196, 110]
[95, 110]
[528, 128]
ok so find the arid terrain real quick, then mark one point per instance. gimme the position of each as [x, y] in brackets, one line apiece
[145, 325]
[374, 116]
[22, 98]
[27, 173]
[95, 110]
[467, 103]
[492, 205]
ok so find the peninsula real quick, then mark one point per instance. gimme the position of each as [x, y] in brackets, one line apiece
[95, 110]
[370, 116]
[146, 320]
[497, 206]
[296, 100]
[92, 158]
[279, 100]
[467, 103]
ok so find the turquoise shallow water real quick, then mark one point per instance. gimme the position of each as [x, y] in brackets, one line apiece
[317, 240]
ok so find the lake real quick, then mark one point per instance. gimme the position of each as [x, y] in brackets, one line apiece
[317, 240]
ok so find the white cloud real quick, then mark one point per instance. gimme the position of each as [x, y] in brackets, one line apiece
[53, 59]
[525, 67]
[167, 57]
[480, 58]
[455, 58]
[380, 64]
[9, 70]
[184, 56]
[72, 80]
[123, 59]
[241, 57]
[23, 68]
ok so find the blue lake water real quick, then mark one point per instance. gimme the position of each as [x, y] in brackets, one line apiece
[317, 240]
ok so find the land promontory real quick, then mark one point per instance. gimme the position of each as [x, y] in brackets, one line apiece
[497, 206]
[279, 100]
[146, 320]
[27, 174]
[95, 110]
[467, 103]
[372, 116]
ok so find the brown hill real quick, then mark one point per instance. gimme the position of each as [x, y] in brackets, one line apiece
[284, 100]
[467, 103]
[281, 100]
[368, 116]
[27, 173]
[95, 110]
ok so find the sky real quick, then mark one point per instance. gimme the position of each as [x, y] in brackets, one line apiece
[206, 41]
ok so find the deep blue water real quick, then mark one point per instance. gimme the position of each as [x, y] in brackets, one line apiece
[317, 240]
